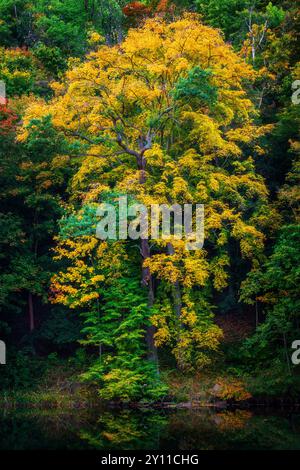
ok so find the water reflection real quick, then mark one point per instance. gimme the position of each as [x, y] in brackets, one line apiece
[149, 429]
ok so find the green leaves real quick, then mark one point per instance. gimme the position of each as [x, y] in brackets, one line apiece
[196, 86]
[277, 286]
[123, 371]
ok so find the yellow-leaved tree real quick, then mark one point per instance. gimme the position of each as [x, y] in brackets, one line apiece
[164, 117]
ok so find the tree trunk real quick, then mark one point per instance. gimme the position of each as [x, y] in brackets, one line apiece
[256, 314]
[176, 291]
[31, 312]
[147, 280]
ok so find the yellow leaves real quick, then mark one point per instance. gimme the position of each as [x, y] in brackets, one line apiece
[160, 189]
[60, 161]
[86, 299]
[162, 335]
[208, 338]
[190, 161]
[118, 106]
[248, 133]
[63, 288]
[180, 188]
[130, 182]
[223, 114]
[230, 389]
[160, 319]
[218, 215]
[72, 248]
[184, 267]
[213, 220]
[163, 267]
[58, 88]
[237, 419]
[251, 239]
[222, 238]
[95, 38]
[235, 100]
[155, 155]
[181, 64]
[214, 184]
[148, 41]
[138, 90]
[194, 346]
[188, 38]
[75, 273]
[144, 69]
[241, 229]
[81, 282]
[188, 316]
[36, 109]
[218, 270]
[96, 279]
[91, 166]
[196, 270]
[93, 193]
[206, 131]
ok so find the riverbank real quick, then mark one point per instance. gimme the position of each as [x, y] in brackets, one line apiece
[208, 389]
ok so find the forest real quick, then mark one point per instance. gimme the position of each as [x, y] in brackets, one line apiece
[166, 102]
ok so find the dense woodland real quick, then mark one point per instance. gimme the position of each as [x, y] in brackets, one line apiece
[168, 102]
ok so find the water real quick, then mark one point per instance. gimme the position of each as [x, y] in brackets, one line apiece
[150, 429]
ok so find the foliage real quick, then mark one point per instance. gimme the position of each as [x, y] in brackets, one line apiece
[115, 313]
[19, 70]
[229, 389]
[176, 115]
[150, 100]
[277, 286]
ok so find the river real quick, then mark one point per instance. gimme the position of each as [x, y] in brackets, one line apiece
[150, 429]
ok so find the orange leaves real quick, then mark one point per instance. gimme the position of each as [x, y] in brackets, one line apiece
[136, 9]
[165, 7]
[230, 389]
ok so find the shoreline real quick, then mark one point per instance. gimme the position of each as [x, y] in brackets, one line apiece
[17, 403]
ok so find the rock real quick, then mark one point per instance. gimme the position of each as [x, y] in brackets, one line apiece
[216, 388]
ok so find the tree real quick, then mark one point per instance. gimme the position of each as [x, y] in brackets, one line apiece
[224, 14]
[19, 71]
[136, 10]
[275, 284]
[31, 184]
[165, 118]
[101, 282]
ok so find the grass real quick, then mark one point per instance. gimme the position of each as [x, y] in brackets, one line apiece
[48, 399]
[58, 387]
